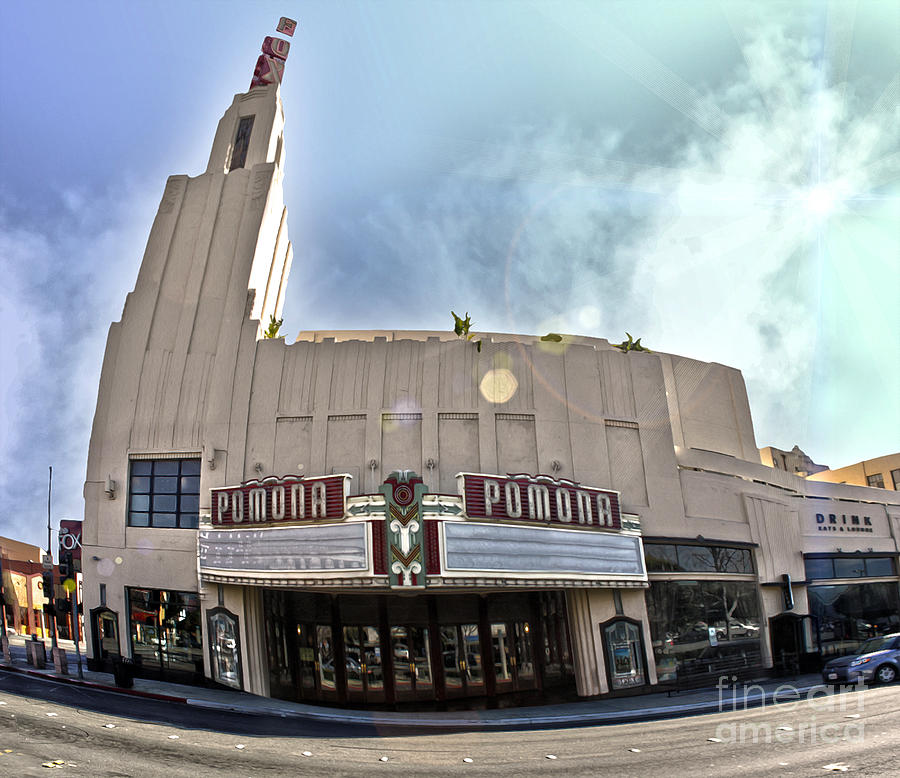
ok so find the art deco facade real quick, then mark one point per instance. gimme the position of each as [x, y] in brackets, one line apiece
[399, 518]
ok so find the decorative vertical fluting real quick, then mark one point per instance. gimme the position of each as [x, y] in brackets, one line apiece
[404, 529]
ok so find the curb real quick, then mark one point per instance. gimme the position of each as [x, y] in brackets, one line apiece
[471, 723]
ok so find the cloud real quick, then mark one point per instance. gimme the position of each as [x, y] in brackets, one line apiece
[65, 280]
[734, 248]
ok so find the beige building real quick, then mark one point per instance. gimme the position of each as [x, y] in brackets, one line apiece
[793, 461]
[399, 518]
[880, 473]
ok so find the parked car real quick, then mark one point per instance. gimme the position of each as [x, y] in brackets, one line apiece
[738, 630]
[877, 660]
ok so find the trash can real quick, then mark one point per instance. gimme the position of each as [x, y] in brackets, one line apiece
[123, 672]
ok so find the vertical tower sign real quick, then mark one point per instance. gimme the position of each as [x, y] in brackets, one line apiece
[270, 65]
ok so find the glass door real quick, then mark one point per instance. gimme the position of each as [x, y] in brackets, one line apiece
[362, 660]
[306, 661]
[412, 663]
[461, 652]
[504, 658]
[513, 652]
[324, 663]
[525, 676]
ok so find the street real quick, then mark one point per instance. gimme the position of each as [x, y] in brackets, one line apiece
[853, 732]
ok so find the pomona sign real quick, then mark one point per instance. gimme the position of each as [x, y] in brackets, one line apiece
[539, 498]
[277, 500]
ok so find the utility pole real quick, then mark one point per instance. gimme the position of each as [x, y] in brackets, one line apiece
[51, 595]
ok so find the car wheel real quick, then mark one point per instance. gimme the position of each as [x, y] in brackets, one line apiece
[886, 674]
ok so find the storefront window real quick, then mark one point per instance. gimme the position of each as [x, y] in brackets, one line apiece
[849, 567]
[848, 614]
[165, 630]
[694, 624]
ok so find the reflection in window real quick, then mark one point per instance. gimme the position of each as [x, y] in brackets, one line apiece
[688, 617]
[848, 614]
[683, 558]
[165, 630]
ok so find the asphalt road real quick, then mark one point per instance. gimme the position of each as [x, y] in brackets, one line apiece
[854, 732]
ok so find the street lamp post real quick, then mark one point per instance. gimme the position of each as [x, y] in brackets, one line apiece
[51, 594]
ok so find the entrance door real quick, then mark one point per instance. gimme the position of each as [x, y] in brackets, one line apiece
[788, 645]
[461, 656]
[513, 654]
[362, 660]
[411, 654]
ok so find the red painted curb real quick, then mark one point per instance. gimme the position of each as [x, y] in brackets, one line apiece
[93, 685]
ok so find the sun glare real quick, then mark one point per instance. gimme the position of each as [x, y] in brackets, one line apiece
[821, 200]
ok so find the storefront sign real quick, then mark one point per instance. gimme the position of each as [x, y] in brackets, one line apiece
[322, 548]
[70, 537]
[539, 498]
[832, 522]
[280, 500]
[477, 547]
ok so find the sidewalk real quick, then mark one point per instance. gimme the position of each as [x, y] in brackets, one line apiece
[607, 711]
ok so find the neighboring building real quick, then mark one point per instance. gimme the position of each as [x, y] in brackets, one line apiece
[794, 461]
[24, 596]
[400, 518]
[880, 473]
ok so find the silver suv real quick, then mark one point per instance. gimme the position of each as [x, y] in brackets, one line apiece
[878, 659]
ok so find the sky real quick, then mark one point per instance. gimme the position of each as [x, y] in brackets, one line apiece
[721, 179]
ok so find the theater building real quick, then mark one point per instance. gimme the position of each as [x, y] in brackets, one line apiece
[399, 518]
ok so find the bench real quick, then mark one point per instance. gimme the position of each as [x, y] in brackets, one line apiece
[706, 673]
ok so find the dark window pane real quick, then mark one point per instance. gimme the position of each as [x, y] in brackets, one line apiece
[165, 484]
[661, 558]
[732, 560]
[190, 484]
[876, 480]
[190, 521]
[849, 568]
[696, 559]
[878, 566]
[167, 498]
[140, 484]
[165, 467]
[819, 568]
[241, 143]
[165, 503]
[895, 477]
